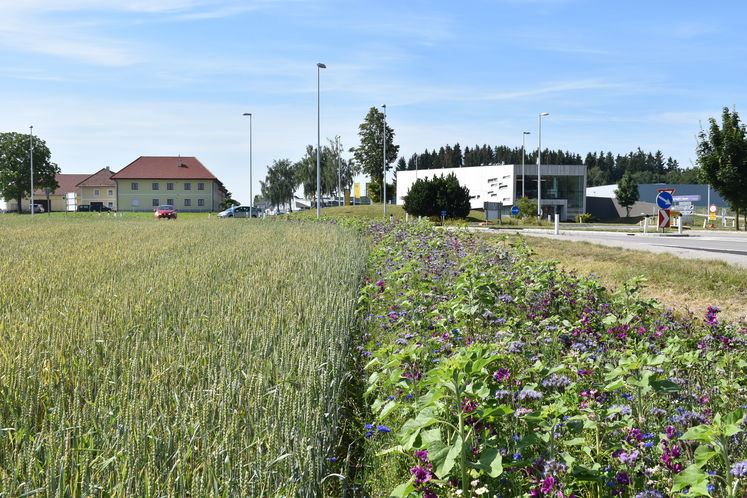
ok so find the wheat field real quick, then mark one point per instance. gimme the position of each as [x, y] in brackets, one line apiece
[160, 358]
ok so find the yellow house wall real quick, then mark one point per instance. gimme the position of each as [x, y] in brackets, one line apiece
[58, 204]
[141, 199]
[88, 195]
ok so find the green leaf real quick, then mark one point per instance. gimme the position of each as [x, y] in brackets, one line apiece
[734, 418]
[403, 490]
[702, 454]
[702, 433]
[491, 462]
[585, 474]
[575, 442]
[694, 478]
[437, 452]
[665, 386]
[429, 437]
[451, 458]
[609, 320]
[614, 386]
[387, 409]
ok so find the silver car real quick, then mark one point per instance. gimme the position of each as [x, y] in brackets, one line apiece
[240, 212]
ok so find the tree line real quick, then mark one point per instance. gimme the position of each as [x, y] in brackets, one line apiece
[603, 168]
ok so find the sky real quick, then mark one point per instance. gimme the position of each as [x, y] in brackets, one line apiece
[106, 81]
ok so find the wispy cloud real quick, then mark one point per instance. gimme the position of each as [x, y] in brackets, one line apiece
[560, 87]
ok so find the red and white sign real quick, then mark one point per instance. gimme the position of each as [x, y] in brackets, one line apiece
[664, 218]
[712, 212]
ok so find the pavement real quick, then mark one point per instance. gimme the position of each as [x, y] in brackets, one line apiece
[730, 247]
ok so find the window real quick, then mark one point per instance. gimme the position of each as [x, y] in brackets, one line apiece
[97, 192]
[170, 186]
[133, 185]
[201, 186]
[155, 202]
[187, 186]
[155, 186]
[135, 202]
[201, 202]
[171, 201]
[187, 202]
[111, 204]
[111, 192]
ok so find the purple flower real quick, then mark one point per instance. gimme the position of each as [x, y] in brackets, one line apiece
[547, 484]
[528, 394]
[502, 374]
[422, 455]
[739, 469]
[556, 381]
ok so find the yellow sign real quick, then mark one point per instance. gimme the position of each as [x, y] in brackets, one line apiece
[357, 190]
[346, 202]
[712, 212]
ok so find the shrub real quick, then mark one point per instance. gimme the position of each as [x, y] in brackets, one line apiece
[527, 207]
[429, 197]
[585, 218]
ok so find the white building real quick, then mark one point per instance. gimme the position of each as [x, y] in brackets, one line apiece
[563, 186]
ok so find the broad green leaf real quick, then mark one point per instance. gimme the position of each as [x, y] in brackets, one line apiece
[491, 461]
[734, 418]
[694, 478]
[702, 433]
[451, 458]
[665, 386]
[437, 452]
[429, 437]
[575, 441]
[403, 490]
[387, 409]
[582, 473]
[702, 454]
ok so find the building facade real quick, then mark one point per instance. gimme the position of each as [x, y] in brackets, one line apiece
[58, 200]
[183, 182]
[563, 186]
[99, 190]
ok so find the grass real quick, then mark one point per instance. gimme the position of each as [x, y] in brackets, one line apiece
[201, 357]
[683, 284]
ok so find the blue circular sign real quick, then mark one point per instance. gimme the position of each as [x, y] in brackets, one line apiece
[664, 200]
[515, 210]
[443, 213]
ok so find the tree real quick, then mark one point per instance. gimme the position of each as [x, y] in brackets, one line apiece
[369, 155]
[722, 156]
[305, 171]
[227, 201]
[627, 192]
[280, 183]
[15, 164]
[429, 197]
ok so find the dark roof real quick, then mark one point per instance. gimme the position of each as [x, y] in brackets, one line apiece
[102, 178]
[165, 168]
[67, 183]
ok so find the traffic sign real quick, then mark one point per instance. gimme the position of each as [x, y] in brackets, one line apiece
[443, 213]
[664, 199]
[515, 210]
[664, 218]
[712, 211]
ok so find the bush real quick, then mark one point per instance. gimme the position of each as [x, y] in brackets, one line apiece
[585, 218]
[428, 197]
[527, 207]
[373, 190]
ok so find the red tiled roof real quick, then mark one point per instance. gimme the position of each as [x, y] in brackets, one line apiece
[67, 183]
[165, 168]
[102, 178]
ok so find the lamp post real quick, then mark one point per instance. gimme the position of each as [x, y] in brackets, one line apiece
[31, 155]
[251, 196]
[339, 180]
[319, 67]
[384, 199]
[523, 148]
[539, 165]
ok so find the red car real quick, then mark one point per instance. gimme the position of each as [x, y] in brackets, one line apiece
[166, 211]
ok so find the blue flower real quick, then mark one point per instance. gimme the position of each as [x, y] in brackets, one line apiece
[369, 434]
[517, 456]
[383, 428]
[333, 459]
[368, 426]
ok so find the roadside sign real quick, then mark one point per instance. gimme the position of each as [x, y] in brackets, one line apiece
[712, 211]
[492, 210]
[664, 218]
[515, 210]
[686, 198]
[443, 213]
[664, 198]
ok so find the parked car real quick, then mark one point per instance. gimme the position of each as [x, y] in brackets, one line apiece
[100, 208]
[240, 212]
[38, 208]
[165, 211]
[84, 208]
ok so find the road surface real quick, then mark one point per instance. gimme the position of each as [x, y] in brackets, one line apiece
[730, 247]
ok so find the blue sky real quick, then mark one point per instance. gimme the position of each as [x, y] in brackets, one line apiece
[106, 81]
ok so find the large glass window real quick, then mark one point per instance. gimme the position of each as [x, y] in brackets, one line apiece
[555, 187]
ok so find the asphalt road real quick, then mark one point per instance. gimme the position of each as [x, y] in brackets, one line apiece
[726, 246]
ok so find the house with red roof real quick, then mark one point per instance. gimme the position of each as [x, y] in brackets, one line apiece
[99, 190]
[66, 194]
[183, 182]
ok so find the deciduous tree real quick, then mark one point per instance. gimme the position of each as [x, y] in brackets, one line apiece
[369, 155]
[627, 192]
[15, 165]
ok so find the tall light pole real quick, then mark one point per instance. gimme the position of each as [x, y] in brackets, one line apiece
[339, 181]
[539, 165]
[384, 106]
[251, 196]
[31, 155]
[523, 148]
[319, 67]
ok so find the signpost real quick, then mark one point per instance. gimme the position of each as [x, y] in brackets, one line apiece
[664, 200]
[492, 210]
[712, 209]
[515, 210]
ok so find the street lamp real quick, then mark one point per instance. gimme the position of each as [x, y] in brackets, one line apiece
[339, 180]
[251, 196]
[31, 155]
[539, 165]
[384, 106]
[319, 67]
[523, 148]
